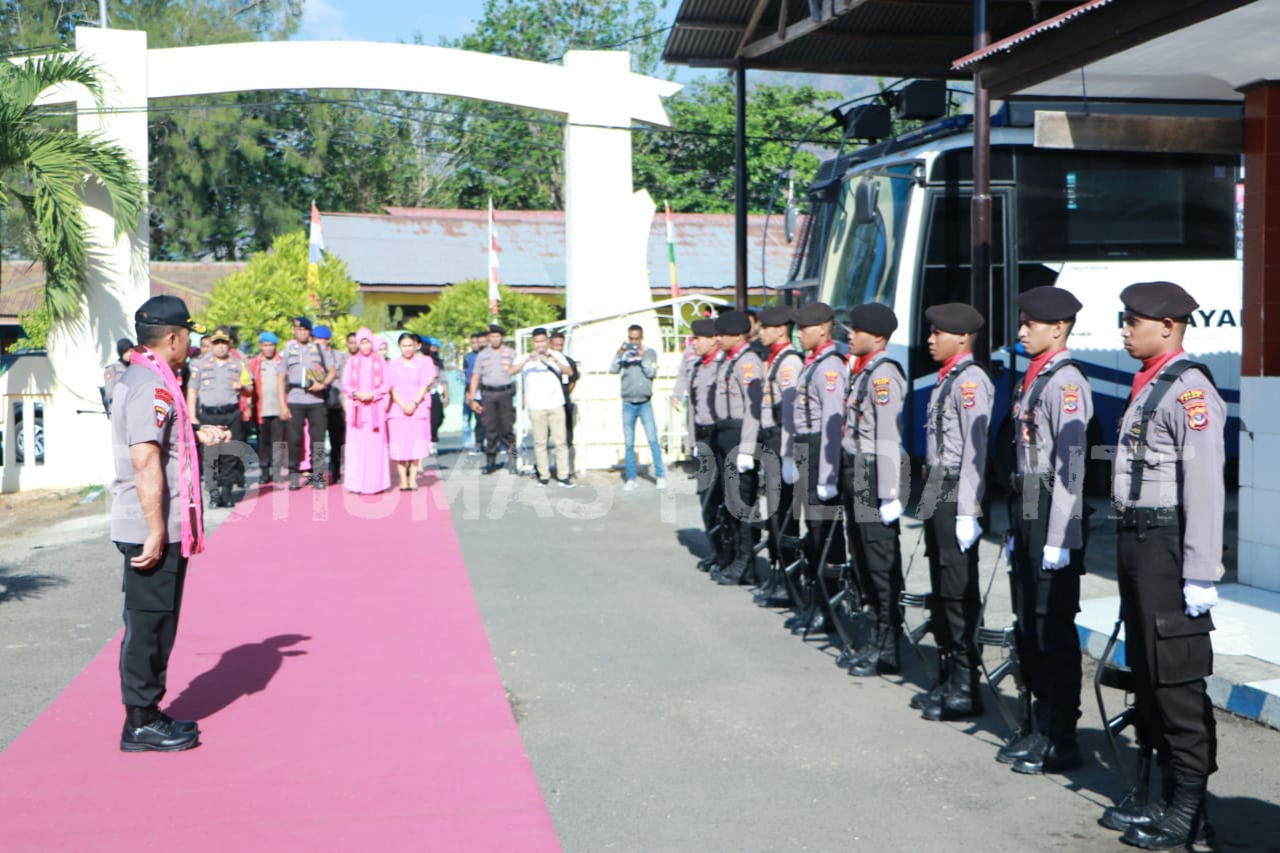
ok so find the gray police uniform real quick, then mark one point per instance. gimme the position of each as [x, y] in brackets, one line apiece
[873, 459]
[956, 430]
[306, 407]
[818, 415]
[336, 417]
[777, 435]
[110, 377]
[218, 403]
[702, 409]
[739, 396]
[498, 387]
[1169, 492]
[1050, 422]
[144, 413]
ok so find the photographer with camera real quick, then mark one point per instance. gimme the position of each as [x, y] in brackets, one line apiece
[638, 365]
[543, 370]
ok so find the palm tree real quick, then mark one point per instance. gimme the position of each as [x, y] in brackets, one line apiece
[45, 169]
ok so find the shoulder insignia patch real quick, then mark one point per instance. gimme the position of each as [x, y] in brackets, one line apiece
[969, 394]
[786, 376]
[882, 389]
[1070, 399]
[163, 405]
[1197, 408]
[748, 372]
[833, 379]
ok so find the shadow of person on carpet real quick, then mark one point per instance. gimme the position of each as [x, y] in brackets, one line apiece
[242, 671]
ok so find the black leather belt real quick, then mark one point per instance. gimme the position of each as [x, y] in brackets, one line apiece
[1145, 518]
[701, 431]
[220, 410]
[497, 389]
[767, 433]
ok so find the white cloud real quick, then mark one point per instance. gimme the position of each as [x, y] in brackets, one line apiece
[322, 21]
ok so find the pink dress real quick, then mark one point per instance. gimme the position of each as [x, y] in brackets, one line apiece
[366, 471]
[411, 434]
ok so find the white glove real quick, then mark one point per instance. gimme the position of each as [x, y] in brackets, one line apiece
[967, 531]
[695, 452]
[789, 472]
[745, 462]
[826, 493]
[890, 511]
[1200, 596]
[1054, 558]
[1008, 551]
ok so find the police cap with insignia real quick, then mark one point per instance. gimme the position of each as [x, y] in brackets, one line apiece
[733, 323]
[495, 329]
[958, 318]
[875, 318]
[1158, 300]
[775, 315]
[220, 334]
[1049, 304]
[166, 311]
[704, 328]
[813, 314]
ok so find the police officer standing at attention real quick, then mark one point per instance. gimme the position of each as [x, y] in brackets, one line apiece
[1051, 412]
[156, 520]
[334, 416]
[491, 375]
[1168, 489]
[956, 429]
[872, 481]
[213, 397]
[782, 367]
[702, 418]
[114, 370]
[310, 370]
[819, 420]
[738, 400]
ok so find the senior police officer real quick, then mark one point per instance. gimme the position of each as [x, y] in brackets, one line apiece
[818, 415]
[1051, 412]
[959, 418]
[738, 400]
[872, 481]
[491, 376]
[310, 370]
[782, 367]
[1168, 489]
[702, 421]
[213, 397]
[156, 519]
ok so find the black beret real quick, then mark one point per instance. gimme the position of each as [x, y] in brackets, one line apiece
[1049, 304]
[733, 323]
[775, 315]
[813, 314]
[704, 328]
[1158, 299]
[495, 329]
[304, 322]
[959, 318]
[874, 317]
[165, 310]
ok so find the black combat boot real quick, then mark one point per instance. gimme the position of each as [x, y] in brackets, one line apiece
[146, 729]
[890, 662]
[1179, 825]
[490, 463]
[735, 574]
[295, 481]
[1137, 806]
[933, 695]
[960, 699]
[1032, 740]
[1062, 752]
[862, 661]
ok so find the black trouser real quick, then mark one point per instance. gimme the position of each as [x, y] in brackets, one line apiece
[272, 451]
[437, 416]
[779, 497]
[316, 417]
[569, 411]
[336, 425]
[711, 491]
[1170, 653]
[821, 517]
[740, 490]
[224, 464]
[874, 547]
[953, 576]
[1045, 604]
[152, 601]
[499, 418]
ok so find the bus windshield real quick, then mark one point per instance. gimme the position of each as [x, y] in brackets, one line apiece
[862, 258]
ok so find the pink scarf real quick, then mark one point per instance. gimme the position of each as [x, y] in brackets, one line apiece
[188, 450]
[365, 373]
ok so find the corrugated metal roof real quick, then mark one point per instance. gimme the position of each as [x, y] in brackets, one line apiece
[22, 283]
[1007, 44]
[430, 248]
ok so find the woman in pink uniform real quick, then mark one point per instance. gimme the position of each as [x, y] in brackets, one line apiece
[365, 382]
[409, 417]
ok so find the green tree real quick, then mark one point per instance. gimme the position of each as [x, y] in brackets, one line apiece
[692, 165]
[464, 307]
[273, 288]
[35, 330]
[45, 169]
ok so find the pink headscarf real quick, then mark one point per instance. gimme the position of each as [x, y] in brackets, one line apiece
[188, 450]
[366, 374]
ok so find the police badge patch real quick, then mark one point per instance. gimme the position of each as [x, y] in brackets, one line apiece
[786, 376]
[1070, 399]
[1197, 408]
[969, 394]
[748, 372]
[833, 378]
[882, 387]
[163, 406]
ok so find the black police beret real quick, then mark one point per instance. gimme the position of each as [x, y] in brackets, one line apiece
[494, 328]
[304, 322]
[165, 311]
[775, 315]
[813, 314]
[1048, 304]
[704, 328]
[1158, 299]
[733, 323]
[874, 317]
[959, 318]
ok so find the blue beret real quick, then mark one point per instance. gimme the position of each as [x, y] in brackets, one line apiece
[321, 332]
[268, 338]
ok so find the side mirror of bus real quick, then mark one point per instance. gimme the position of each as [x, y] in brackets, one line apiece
[865, 196]
[789, 219]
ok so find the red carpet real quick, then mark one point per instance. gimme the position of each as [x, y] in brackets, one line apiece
[331, 648]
